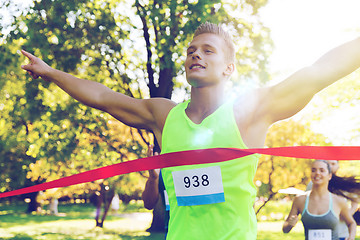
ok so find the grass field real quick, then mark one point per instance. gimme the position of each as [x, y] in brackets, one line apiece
[76, 221]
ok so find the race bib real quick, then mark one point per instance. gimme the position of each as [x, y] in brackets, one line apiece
[198, 186]
[319, 234]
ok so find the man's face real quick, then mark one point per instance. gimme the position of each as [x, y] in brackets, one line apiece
[334, 165]
[205, 63]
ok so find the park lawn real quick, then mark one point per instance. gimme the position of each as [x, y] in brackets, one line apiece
[77, 222]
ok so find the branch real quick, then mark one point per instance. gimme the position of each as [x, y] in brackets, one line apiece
[263, 205]
[142, 136]
[150, 70]
[272, 194]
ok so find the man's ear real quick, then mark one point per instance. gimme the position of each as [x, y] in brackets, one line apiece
[229, 69]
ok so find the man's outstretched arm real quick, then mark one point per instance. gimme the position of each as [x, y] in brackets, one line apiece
[291, 95]
[140, 113]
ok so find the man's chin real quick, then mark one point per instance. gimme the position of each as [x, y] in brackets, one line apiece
[194, 82]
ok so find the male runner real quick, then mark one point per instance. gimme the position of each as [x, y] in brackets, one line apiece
[212, 201]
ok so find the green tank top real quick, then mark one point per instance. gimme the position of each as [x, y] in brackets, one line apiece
[209, 201]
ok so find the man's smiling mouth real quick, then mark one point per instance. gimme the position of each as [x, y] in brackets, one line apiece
[196, 66]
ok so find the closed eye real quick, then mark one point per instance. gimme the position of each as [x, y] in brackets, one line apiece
[190, 50]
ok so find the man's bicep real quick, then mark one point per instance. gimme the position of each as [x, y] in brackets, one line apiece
[130, 111]
[140, 113]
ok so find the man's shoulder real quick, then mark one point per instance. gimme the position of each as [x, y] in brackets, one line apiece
[159, 103]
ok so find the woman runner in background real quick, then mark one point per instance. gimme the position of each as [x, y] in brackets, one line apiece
[320, 209]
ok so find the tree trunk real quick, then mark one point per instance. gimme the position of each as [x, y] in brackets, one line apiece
[98, 209]
[53, 207]
[33, 205]
[108, 197]
[103, 200]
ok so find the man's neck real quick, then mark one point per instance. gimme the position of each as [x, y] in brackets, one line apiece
[204, 101]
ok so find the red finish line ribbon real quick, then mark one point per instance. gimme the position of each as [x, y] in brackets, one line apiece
[193, 157]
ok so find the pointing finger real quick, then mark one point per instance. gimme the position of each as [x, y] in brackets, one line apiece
[28, 55]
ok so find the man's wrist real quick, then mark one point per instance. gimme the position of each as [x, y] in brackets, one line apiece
[49, 74]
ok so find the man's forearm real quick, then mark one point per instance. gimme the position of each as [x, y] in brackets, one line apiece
[85, 91]
[340, 61]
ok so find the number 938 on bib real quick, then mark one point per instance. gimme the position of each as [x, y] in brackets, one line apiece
[198, 186]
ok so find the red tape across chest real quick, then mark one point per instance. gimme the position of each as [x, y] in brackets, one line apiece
[193, 157]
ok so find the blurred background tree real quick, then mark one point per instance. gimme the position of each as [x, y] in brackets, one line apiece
[275, 173]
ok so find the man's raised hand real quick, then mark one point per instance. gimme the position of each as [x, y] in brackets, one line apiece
[36, 67]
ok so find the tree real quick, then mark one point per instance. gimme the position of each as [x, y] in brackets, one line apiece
[13, 147]
[276, 173]
[336, 106]
[336, 116]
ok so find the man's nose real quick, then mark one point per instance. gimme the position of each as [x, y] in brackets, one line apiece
[196, 55]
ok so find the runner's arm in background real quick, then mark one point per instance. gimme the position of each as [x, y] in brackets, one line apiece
[347, 217]
[150, 194]
[292, 219]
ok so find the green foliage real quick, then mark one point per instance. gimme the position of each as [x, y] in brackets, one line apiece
[274, 210]
[278, 172]
[343, 92]
[337, 107]
[13, 128]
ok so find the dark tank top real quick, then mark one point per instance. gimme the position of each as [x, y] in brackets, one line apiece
[319, 227]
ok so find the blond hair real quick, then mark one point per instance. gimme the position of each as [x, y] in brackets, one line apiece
[216, 29]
